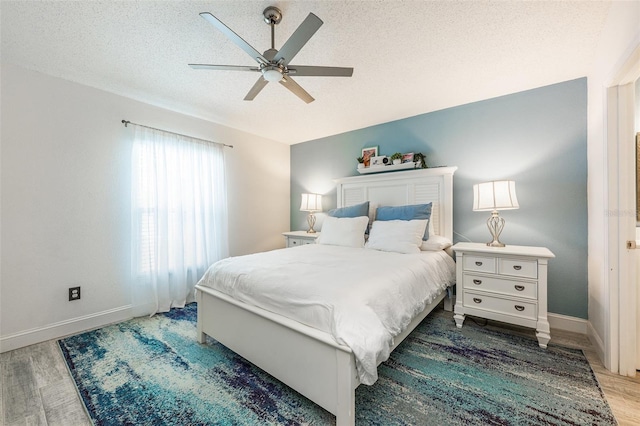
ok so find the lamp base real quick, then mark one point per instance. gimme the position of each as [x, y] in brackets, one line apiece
[495, 224]
[311, 220]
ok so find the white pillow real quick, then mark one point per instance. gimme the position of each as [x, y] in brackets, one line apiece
[343, 231]
[400, 236]
[436, 243]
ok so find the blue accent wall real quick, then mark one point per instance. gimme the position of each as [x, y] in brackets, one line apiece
[537, 138]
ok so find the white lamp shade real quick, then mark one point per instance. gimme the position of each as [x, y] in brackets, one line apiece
[311, 203]
[496, 195]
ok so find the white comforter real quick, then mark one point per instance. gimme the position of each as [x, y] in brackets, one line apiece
[362, 297]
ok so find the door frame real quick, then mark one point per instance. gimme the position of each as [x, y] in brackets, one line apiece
[621, 336]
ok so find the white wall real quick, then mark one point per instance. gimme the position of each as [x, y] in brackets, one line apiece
[66, 199]
[619, 36]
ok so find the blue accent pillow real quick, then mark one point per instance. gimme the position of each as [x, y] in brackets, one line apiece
[356, 210]
[412, 212]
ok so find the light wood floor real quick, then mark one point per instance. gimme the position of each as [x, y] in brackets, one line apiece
[38, 390]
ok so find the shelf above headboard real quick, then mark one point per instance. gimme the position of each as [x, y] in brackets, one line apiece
[420, 186]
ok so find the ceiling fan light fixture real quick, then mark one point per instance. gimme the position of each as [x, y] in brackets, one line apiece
[272, 73]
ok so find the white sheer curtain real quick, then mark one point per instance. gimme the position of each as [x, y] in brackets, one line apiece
[179, 217]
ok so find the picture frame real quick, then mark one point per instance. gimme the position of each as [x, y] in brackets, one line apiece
[380, 160]
[367, 153]
[407, 158]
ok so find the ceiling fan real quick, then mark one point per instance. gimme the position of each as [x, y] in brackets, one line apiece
[274, 65]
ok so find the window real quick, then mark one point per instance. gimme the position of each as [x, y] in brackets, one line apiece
[179, 216]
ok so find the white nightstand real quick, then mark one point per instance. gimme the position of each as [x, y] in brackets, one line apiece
[507, 284]
[298, 238]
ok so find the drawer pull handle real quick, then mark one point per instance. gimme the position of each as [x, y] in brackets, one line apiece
[519, 308]
[478, 263]
[519, 287]
[477, 282]
[475, 299]
[517, 267]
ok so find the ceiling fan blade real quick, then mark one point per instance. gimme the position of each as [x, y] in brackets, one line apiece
[223, 67]
[296, 89]
[311, 71]
[299, 38]
[239, 41]
[256, 89]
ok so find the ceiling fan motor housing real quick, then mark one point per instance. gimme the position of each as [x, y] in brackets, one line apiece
[272, 15]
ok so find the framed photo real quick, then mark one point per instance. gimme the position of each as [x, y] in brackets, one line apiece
[367, 153]
[407, 158]
[381, 160]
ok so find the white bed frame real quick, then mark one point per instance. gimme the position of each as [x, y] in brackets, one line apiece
[304, 358]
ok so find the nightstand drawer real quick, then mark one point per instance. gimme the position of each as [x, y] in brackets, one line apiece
[300, 238]
[518, 268]
[516, 308]
[294, 242]
[497, 285]
[479, 264]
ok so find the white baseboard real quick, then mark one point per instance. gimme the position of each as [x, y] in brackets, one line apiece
[64, 328]
[598, 344]
[567, 323]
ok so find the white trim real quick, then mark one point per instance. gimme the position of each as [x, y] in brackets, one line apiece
[567, 323]
[627, 230]
[610, 338]
[595, 340]
[64, 328]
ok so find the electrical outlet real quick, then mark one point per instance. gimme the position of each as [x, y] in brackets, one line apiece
[74, 293]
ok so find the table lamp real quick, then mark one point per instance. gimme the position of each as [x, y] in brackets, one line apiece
[311, 203]
[494, 196]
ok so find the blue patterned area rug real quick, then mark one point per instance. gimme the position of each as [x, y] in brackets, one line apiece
[151, 371]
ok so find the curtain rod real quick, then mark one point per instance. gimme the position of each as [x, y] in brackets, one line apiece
[127, 122]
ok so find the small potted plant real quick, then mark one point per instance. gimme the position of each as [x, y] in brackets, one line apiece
[396, 158]
[360, 162]
[419, 159]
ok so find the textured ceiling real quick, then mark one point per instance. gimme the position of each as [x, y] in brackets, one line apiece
[410, 57]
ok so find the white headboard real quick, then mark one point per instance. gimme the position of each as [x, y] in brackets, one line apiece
[400, 188]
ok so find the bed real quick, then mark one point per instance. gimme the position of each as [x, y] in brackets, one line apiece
[305, 355]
